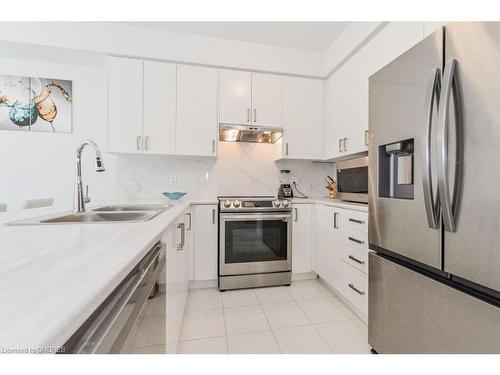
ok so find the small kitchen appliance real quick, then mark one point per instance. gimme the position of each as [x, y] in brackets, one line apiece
[352, 180]
[285, 189]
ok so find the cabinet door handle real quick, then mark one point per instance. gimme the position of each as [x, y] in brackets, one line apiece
[335, 220]
[356, 221]
[138, 142]
[248, 114]
[189, 220]
[296, 214]
[146, 142]
[367, 133]
[356, 240]
[360, 292]
[254, 115]
[181, 227]
[213, 146]
[340, 145]
[213, 216]
[286, 148]
[356, 260]
[345, 144]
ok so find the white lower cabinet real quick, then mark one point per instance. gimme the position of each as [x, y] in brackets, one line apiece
[205, 242]
[354, 287]
[326, 249]
[194, 230]
[340, 252]
[301, 238]
[177, 278]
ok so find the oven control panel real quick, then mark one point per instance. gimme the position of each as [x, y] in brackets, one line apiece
[253, 204]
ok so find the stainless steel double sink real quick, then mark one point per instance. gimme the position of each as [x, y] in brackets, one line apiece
[106, 214]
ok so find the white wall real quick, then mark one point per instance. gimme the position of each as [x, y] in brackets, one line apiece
[42, 164]
[116, 39]
[37, 165]
[357, 35]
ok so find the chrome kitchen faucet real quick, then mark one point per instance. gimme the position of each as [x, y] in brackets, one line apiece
[80, 200]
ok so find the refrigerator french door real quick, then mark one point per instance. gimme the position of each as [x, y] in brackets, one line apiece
[434, 217]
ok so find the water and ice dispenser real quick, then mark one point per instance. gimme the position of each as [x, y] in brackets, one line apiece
[395, 170]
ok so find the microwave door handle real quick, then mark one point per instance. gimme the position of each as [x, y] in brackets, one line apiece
[431, 100]
[449, 199]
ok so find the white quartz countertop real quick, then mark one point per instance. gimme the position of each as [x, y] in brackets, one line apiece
[332, 202]
[52, 277]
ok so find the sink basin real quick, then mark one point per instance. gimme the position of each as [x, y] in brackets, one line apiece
[92, 217]
[135, 207]
[89, 217]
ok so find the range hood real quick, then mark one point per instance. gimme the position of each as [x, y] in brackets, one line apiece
[249, 133]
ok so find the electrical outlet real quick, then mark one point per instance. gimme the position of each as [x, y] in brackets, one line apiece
[172, 180]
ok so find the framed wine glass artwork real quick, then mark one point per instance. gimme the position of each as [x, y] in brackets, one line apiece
[35, 104]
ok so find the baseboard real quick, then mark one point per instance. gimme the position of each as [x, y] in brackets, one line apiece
[304, 276]
[203, 284]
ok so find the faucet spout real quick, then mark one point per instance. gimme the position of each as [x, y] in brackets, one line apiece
[79, 201]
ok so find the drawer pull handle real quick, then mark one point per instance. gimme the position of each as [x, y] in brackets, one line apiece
[360, 292]
[356, 240]
[356, 221]
[356, 260]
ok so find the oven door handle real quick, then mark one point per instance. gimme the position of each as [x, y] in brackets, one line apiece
[243, 217]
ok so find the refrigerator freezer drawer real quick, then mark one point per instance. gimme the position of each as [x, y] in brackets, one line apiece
[412, 313]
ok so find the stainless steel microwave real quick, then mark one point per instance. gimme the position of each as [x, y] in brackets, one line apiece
[352, 179]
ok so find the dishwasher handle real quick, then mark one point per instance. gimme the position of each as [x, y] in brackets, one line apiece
[95, 334]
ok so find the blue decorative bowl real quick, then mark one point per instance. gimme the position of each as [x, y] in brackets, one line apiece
[174, 195]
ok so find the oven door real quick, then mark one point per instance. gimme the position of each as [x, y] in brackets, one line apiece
[252, 243]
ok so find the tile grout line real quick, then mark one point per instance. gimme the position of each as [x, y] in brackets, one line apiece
[316, 329]
[269, 324]
[224, 318]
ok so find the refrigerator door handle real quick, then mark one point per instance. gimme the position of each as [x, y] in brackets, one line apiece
[431, 100]
[449, 199]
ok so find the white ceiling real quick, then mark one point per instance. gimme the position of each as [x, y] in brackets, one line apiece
[314, 36]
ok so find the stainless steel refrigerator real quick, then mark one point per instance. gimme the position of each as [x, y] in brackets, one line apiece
[434, 195]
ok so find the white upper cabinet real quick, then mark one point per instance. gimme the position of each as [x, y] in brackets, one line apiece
[302, 118]
[249, 98]
[347, 120]
[235, 97]
[266, 100]
[347, 87]
[125, 105]
[196, 130]
[159, 107]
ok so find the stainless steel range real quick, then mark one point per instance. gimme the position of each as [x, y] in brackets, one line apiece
[255, 242]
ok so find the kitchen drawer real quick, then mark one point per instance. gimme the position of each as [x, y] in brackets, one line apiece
[355, 220]
[355, 239]
[355, 287]
[355, 257]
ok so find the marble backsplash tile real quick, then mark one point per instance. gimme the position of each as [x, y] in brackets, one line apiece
[240, 168]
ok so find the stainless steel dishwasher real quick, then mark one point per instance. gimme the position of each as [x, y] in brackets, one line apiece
[108, 329]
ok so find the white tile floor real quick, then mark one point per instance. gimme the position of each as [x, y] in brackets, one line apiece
[149, 335]
[303, 318]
